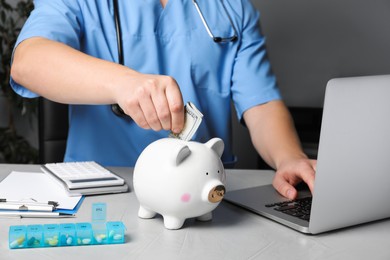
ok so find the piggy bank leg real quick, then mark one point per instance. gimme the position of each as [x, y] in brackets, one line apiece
[173, 222]
[206, 217]
[145, 213]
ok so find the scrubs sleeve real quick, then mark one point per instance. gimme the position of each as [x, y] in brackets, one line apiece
[253, 82]
[58, 20]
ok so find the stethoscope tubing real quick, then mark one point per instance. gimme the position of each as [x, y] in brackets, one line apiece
[116, 109]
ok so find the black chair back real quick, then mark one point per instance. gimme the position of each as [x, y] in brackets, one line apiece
[53, 130]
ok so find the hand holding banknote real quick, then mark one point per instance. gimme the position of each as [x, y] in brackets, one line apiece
[193, 118]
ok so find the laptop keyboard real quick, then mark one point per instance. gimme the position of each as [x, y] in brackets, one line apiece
[299, 208]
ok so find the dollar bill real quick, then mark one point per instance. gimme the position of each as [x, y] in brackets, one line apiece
[193, 118]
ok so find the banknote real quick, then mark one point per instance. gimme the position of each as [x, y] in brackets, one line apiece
[193, 118]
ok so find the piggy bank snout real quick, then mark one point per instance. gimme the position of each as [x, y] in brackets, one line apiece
[216, 194]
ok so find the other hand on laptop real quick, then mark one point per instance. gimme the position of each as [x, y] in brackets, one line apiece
[291, 173]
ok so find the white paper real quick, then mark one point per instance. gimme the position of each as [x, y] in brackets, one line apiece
[33, 186]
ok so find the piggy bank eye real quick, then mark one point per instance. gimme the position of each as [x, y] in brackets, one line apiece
[207, 173]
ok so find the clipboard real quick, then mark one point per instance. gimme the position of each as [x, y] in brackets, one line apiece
[30, 205]
[35, 187]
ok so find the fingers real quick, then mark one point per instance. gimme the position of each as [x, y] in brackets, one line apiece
[284, 187]
[150, 113]
[308, 174]
[156, 103]
[176, 107]
[162, 110]
[286, 178]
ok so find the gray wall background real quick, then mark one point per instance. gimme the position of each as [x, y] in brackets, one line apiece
[311, 41]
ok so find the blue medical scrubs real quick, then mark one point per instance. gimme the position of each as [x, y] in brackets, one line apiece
[170, 41]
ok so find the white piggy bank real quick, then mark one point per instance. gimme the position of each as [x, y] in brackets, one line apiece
[179, 180]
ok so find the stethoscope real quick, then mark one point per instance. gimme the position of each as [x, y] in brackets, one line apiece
[116, 109]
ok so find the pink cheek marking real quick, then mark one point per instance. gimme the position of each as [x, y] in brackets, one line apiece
[186, 197]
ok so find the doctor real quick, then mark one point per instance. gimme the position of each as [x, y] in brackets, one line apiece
[150, 57]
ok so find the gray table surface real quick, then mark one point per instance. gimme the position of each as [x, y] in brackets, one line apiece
[234, 233]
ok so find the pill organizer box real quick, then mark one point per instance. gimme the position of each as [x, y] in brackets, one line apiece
[69, 234]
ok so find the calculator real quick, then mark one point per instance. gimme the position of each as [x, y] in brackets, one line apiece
[84, 175]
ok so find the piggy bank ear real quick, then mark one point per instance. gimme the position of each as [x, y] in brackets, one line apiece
[180, 153]
[217, 145]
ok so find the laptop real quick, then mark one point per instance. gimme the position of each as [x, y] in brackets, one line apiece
[352, 184]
